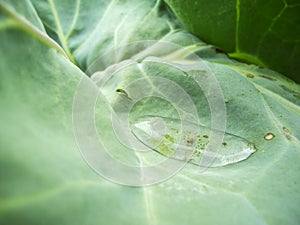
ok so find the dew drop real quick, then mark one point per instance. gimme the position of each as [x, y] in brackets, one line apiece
[189, 142]
[286, 130]
[287, 133]
[269, 136]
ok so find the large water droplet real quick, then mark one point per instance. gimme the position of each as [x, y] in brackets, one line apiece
[190, 141]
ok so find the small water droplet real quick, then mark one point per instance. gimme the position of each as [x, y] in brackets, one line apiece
[286, 130]
[269, 136]
[287, 133]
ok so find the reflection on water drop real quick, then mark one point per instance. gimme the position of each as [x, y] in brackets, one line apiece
[189, 143]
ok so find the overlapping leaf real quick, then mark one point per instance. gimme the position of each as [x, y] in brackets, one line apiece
[265, 33]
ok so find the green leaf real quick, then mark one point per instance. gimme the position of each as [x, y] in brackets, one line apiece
[44, 178]
[265, 33]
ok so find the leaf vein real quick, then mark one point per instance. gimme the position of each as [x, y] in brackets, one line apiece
[87, 39]
[276, 18]
[60, 33]
[75, 18]
[29, 28]
[237, 44]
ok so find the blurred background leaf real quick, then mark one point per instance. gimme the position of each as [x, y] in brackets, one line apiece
[266, 33]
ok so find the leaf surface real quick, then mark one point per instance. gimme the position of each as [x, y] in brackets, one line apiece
[44, 178]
